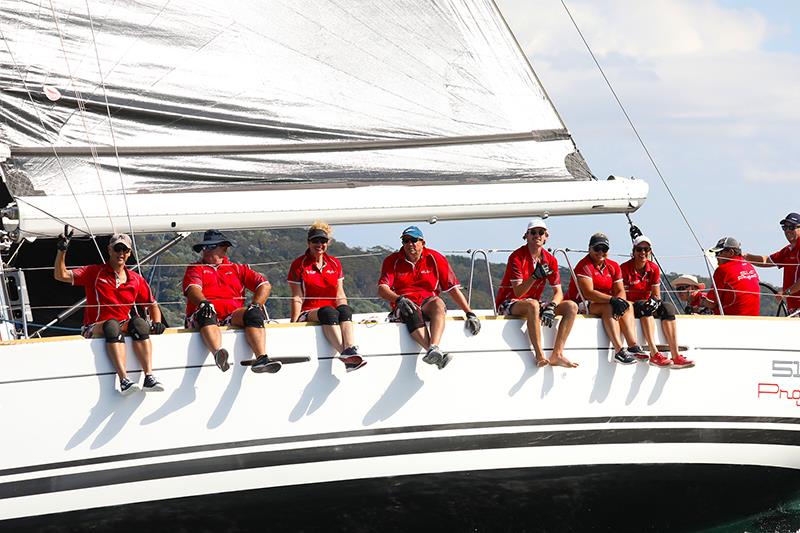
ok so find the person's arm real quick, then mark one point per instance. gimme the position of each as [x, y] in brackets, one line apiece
[341, 298]
[155, 312]
[195, 294]
[558, 294]
[458, 297]
[655, 292]
[387, 294]
[618, 289]
[297, 301]
[60, 271]
[519, 288]
[759, 260]
[261, 293]
[586, 286]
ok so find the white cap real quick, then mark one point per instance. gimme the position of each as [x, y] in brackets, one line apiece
[642, 238]
[686, 279]
[536, 222]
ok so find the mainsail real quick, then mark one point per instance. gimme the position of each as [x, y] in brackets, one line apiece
[158, 115]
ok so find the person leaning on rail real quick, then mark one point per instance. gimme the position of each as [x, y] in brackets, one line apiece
[787, 258]
[317, 283]
[215, 289]
[641, 278]
[736, 281]
[112, 290]
[689, 291]
[411, 281]
[530, 267]
[602, 294]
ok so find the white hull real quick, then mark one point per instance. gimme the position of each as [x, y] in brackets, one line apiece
[76, 444]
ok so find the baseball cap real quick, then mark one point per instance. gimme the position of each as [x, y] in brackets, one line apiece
[121, 238]
[640, 239]
[412, 231]
[791, 218]
[725, 242]
[598, 238]
[536, 222]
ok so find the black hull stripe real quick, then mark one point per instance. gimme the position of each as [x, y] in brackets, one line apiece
[262, 459]
[403, 429]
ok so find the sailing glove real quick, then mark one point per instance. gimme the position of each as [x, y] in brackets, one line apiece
[618, 306]
[157, 328]
[206, 310]
[64, 238]
[405, 307]
[473, 324]
[541, 270]
[548, 314]
[650, 305]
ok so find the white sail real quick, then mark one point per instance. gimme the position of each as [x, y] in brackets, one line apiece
[114, 100]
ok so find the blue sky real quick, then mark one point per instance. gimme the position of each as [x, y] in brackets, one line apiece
[712, 87]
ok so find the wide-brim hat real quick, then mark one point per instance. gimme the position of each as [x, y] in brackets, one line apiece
[212, 236]
[687, 279]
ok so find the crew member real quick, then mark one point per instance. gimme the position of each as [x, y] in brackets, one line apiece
[690, 292]
[215, 289]
[642, 280]
[112, 290]
[317, 283]
[530, 267]
[411, 280]
[787, 258]
[736, 281]
[601, 293]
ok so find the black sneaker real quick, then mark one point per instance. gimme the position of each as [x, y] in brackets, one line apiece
[624, 357]
[151, 384]
[434, 356]
[639, 354]
[127, 387]
[446, 358]
[263, 364]
[221, 359]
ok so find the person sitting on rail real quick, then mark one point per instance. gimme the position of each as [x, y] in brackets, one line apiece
[530, 267]
[215, 289]
[112, 290]
[411, 281]
[317, 283]
[690, 292]
[601, 293]
[787, 258]
[736, 281]
[641, 278]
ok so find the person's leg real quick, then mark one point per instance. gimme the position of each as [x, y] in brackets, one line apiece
[627, 325]
[328, 318]
[436, 312]
[115, 344]
[610, 325]
[254, 331]
[529, 310]
[346, 325]
[567, 310]
[139, 329]
[212, 337]
[649, 331]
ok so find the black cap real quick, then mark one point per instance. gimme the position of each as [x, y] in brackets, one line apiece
[212, 236]
[791, 218]
[598, 238]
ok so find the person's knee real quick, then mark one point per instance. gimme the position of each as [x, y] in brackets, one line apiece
[328, 316]
[207, 318]
[254, 317]
[112, 331]
[435, 306]
[138, 329]
[666, 311]
[345, 313]
[567, 309]
[414, 321]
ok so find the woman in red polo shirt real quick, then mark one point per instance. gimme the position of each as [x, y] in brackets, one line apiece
[600, 292]
[317, 283]
[642, 279]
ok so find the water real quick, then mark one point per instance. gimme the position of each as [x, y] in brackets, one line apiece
[783, 518]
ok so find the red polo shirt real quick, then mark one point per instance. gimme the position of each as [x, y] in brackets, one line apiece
[639, 286]
[223, 285]
[320, 285]
[788, 259]
[737, 282]
[106, 297]
[429, 276]
[603, 277]
[519, 268]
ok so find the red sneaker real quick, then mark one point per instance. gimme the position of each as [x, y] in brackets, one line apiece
[660, 361]
[679, 361]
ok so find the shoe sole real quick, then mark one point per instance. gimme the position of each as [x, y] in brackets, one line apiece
[433, 359]
[221, 359]
[625, 362]
[362, 364]
[680, 367]
[668, 365]
[130, 390]
[269, 368]
[157, 388]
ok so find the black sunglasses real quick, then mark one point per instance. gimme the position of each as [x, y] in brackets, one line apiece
[413, 240]
[119, 247]
[601, 248]
[318, 240]
[642, 249]
[789, 227]
[537, 231]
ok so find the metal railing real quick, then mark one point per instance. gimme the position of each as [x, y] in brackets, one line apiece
[485, 255]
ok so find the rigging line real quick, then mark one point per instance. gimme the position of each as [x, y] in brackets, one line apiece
[22, 78]
[82, 113]
[642, 143]
[113, 141]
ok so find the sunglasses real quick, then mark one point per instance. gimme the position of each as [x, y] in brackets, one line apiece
[318, 240]
[121, 248]
[412, 240]
[535, 232]
[600, 248]
[208, 247]
[682, 287]
[789, 227]
[642, 249]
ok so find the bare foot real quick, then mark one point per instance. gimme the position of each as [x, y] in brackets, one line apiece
[562, 361]
[540, 362]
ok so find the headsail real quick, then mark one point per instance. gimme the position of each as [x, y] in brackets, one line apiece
[106, 103]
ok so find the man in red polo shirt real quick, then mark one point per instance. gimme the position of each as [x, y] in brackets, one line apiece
[531, 267]
[411, 280]
[112, 289]
[787, 258]
[736, 281]
[214, 289]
